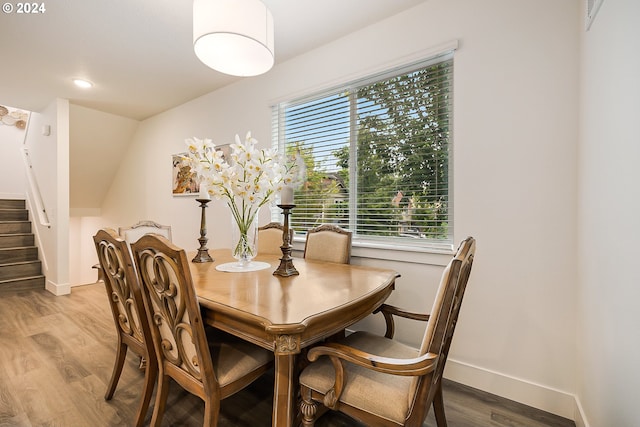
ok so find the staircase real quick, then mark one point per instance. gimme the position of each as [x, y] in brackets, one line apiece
[20, 267]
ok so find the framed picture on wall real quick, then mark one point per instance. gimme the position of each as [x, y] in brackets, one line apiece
[184, 179]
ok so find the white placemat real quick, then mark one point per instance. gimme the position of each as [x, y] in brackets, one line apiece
[233, 267]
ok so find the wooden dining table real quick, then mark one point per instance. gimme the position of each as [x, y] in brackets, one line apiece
[287, 314]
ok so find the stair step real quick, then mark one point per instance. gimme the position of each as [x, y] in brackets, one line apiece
[13, 227]
[16, 240]
[14, 214]
[25, 283]
[17, 270]
[12, 204]
[20, 268]
[27, 253]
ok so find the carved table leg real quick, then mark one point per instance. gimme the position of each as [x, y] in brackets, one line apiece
[284, 405]
[309, 409]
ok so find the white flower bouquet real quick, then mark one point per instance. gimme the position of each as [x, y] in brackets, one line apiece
[247, 181]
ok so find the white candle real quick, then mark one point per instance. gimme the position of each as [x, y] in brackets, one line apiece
[286, 195]
[204, 194]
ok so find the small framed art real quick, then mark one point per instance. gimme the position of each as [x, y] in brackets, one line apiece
[184, 179]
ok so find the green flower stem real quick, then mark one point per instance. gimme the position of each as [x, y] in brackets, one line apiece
[244, 218]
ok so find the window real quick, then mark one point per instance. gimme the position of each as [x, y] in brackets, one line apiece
[377, 154]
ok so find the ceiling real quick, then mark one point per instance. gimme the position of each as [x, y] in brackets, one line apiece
[138, 53]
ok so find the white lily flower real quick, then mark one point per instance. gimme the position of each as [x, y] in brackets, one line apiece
[247, 180]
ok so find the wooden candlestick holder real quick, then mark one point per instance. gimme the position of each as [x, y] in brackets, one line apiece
[286, 267]
[203, 252]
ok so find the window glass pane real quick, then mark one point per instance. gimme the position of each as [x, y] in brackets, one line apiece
[402, 155]
[316, 129]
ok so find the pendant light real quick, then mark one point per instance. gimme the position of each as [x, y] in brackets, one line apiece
[233, 36]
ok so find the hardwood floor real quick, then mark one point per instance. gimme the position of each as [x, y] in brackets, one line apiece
[57, 353]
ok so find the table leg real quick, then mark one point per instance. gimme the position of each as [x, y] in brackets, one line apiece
[284, 402]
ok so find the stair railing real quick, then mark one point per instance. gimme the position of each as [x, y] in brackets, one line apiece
[43, 218]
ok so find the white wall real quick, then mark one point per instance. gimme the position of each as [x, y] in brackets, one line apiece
[82, 253]
[515, 133]
[608, 319]
[98, 142]
[13, 180]
[49, 156]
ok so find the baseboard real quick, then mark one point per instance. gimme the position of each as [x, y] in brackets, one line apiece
[580, 418]
[535, 395]
[57, 289]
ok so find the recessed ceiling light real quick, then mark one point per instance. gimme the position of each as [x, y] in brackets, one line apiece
[84, 84]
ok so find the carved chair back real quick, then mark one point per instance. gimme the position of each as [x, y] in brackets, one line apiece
[174, 314]
[133, 233]
[328, 242]
[443, 319]
[270, 238]
[127, 307]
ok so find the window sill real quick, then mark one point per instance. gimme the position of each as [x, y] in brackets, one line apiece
[409, 254]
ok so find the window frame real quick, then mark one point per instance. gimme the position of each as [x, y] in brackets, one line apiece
[364, 245]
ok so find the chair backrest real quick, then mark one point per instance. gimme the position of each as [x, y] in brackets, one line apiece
[123, 289]
[174, 313]
[133, 233]
[444, 316]
[328, 242]
[270, 238]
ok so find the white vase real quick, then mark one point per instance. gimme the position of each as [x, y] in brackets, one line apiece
[244, 241]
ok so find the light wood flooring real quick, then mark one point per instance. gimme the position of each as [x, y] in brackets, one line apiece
[57, 353]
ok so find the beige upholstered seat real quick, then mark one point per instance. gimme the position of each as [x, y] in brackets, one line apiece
[127, 307]
[203, 366]
[270, 238]
[382, 382]
[133, 233]
[328, 243]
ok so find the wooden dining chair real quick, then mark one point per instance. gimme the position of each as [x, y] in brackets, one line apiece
[208, 368]
[127, 307]
[328, 242]
[382, 382]
[139, 229]
[270, 238]
[134, 232]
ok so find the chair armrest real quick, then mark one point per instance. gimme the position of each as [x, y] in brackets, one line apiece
[388, 311]
[407, 367]
[338, 353]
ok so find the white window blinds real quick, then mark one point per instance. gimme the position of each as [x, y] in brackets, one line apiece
[377, 154]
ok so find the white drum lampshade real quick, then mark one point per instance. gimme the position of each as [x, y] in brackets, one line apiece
[233, 36]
